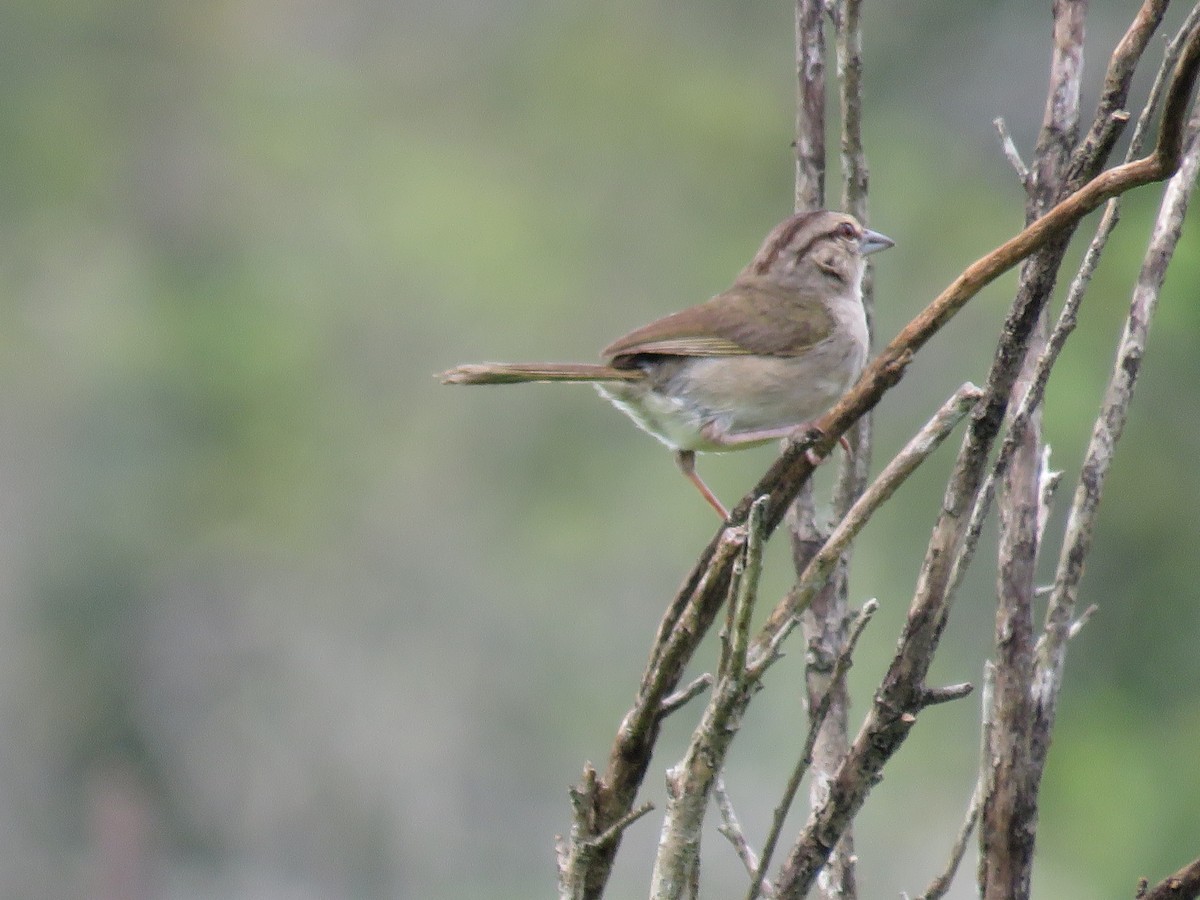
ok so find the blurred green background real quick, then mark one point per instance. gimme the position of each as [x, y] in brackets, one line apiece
[282, 617]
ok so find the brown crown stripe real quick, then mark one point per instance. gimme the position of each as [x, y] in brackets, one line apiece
[787, 234]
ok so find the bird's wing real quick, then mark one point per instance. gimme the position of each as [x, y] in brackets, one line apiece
[751, 318]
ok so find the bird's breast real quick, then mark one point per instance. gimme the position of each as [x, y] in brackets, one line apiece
[684, 396]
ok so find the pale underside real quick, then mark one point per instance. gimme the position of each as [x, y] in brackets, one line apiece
[705, 403]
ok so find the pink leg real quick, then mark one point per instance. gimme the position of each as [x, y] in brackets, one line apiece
[686, 459]
[766, 434]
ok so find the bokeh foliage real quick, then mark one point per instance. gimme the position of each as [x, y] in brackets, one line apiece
[320, 627]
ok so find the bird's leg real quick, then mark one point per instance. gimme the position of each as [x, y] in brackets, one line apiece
[794, 432]
[686, 459]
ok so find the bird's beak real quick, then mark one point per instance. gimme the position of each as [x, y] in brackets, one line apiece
[873, 242]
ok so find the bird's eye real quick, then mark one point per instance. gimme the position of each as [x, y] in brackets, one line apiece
[847, 230]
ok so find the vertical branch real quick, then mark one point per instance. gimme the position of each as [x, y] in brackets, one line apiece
[855, 179]
[902, 694]
[1134, 42]
[809, 144]
[1009, 816]
[1109, 425]
[810, 105]
[825, 623]
[690, 781]
[941, 884]
[848, 22]
[807, 535]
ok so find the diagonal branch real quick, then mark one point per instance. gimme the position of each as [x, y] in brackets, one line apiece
[690, 781]
[836, 679]
[1111, 116]
[1109, 425]
[1182, 885]
[900, 696]
[695, 606]
[1068, 316]
[782, 619]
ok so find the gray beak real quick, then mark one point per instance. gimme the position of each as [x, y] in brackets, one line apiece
[873, 242]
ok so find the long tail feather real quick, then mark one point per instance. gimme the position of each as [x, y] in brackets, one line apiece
[514, 373]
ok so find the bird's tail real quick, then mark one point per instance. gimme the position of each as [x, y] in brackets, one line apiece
[514, 373]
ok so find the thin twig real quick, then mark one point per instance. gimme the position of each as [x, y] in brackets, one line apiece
[698, 685]
[1068, 317]
[941, 884]
[613, 831]
[783, 618]
[1048, 482]
[731, 828]
[1010, 152]
[817, 718]
[1109, 426]
[1077, 625]
[690, 781]
[946, 694]
[1182, 885]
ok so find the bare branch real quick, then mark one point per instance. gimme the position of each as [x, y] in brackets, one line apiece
[824, 626]
[946, 694]
[1008, 826]
[613, 831]
[690, 781]
[1162, 80]
[680, 698]
[1109, 426]
[747, 592]
[810, 104]
[817, 718]
[891, 715]
[671, 648]
[1111, 116]
[855, 176]
[731, 828]
[783, 618]
[1183, 885]
[575, 855]
[695, 606]
[1011, 153]
[940, 885]
[1048, 482]
[1077, 625]
[1068, 317]
[824, 622]
[847, 19]
[1032, 398]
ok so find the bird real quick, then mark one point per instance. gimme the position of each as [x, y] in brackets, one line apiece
[756, 363]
